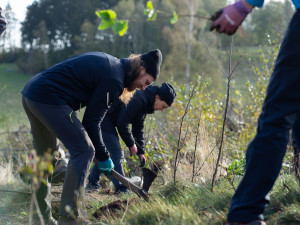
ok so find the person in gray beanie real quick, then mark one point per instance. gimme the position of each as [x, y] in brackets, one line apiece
[119, 117]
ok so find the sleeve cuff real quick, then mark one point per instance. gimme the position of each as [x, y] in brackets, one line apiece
[256, 3]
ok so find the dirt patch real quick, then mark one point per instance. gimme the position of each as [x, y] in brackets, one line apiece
[113, 208]
[55, 208]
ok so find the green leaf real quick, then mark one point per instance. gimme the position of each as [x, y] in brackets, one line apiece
[149, 11]
[98, 13]
[149, 5]
[24, 213]
[152, 15]
[120, 27]
[174, 19]
[106, 14]
[105, 24]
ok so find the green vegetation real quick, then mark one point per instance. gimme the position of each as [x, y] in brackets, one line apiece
[53, 36]
[12, 80]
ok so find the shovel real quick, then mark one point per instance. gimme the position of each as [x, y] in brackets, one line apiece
[148, 178]
[131, 186]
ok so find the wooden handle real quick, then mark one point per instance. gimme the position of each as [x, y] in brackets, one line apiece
[131, 186]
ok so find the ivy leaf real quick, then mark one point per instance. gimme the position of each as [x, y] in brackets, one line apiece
[174, 19]
[105, 24]
[120, 27]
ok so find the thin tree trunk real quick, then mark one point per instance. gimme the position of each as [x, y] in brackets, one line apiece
[189, 46]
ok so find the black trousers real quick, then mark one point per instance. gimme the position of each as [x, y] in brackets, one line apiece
[280, 111]
[48, 124]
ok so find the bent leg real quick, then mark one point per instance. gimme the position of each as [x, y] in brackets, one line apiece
[44, 141]
[72, 134]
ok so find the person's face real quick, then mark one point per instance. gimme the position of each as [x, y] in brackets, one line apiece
[143, 80]
[160, 105]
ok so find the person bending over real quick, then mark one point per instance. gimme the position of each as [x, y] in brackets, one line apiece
[119, 117]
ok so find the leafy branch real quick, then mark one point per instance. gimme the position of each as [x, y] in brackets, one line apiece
[109, 18]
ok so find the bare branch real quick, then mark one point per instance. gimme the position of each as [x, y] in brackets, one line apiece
[224, 120]
[214, 58]
[179, 146]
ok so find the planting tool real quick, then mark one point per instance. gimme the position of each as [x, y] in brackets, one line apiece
[148, 178]
[131, 186]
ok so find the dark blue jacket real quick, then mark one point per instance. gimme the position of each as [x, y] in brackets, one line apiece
[134, 113]
[93, 79]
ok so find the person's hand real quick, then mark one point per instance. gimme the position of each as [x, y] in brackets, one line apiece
[228, 19]
[133, 150]
[106, 166]
[142, 160]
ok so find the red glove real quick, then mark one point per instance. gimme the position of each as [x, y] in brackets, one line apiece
[133, 150]
[228, 19]
[142, 160]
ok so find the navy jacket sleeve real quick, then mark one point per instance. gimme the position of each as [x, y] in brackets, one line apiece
[138, 133]
[103, 95]
[127, 114]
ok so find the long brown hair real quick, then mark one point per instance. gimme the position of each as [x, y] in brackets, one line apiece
[135, 62]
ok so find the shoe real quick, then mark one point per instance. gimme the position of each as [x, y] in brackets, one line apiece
[121, 190]
[254, 222]
[91, 188]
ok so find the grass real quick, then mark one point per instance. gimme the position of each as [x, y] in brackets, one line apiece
[12, 82]
[183, 203]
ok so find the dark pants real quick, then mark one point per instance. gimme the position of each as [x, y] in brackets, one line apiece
[280, 111]
[49, 122]
[111, 141]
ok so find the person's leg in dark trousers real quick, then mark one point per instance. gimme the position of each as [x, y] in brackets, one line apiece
[93, 179]
[44, 141]
[296, 145]
[265, 153]
[111, 141]
[72, 134]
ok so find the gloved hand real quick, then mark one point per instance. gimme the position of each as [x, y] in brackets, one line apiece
[142, 160]
[228, 19]
[133, 150]
[106, 166]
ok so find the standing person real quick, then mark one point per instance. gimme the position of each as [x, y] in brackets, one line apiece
[119, 117]
[280, 110]
[94, 80]
[3, 22]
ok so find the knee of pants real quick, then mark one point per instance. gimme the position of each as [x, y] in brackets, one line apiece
[91, 152]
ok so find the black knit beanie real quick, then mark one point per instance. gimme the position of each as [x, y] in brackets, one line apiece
[152, 61]
[167, 93]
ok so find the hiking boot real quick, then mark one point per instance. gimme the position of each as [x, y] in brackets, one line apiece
[254, 222]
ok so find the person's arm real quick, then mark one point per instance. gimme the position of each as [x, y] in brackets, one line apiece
[102, 97]
[138, 134]
[126, 115]
[3, 22]
[228, 19]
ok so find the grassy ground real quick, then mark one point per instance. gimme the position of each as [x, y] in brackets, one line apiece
[12, 82]
[184, 203]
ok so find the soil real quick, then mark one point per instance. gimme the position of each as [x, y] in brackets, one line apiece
[113, 208]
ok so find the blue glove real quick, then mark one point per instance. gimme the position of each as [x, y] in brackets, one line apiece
[106, 166]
